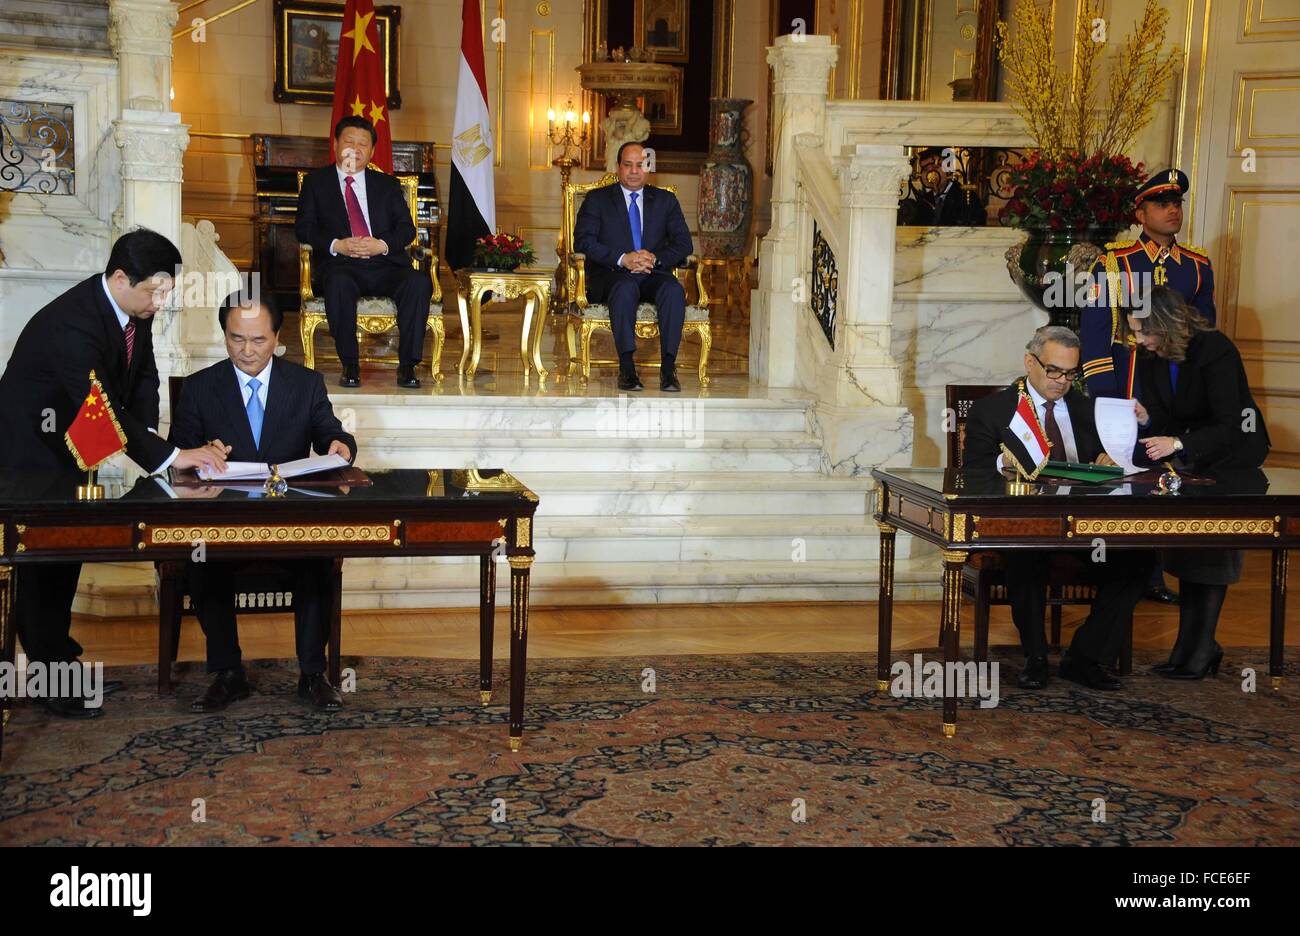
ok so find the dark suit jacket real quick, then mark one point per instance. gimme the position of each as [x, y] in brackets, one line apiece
[989, 418]
[603, 232]
[1209, 409]
[323, 216]
[298, 414]
[50, 370]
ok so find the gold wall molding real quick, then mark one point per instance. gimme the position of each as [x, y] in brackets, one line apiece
[534, 37]
[1257, 25]
[1249, 86]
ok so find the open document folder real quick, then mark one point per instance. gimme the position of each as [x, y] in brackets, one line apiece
[259, 471]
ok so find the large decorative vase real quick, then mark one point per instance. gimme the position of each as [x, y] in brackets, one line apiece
[1050, 268]
[726, 183]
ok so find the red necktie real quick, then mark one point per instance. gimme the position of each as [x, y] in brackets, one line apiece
[130, 340]
[356, 217]
[1054, 433]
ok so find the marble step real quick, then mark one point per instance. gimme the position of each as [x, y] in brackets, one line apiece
[110, 591]
[704, 538]
[734, 494]
[621, 417]
[524, 452]
[71, 25]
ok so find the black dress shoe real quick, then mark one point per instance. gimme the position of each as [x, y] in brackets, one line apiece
[1163, 595]
[351, 376]
[227, 686]
[111, 685]
[317, 688]
[1194, 669]
[406, 377]
[1034, 673]
[1087, 673]
[668, 379]
[70, 707]
[628, 380]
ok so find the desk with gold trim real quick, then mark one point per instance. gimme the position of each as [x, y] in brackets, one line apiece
[404, 512]
[965, 512]
[535, 286]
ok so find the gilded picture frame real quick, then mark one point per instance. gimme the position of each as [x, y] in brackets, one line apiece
[306, 50]
[663, 28]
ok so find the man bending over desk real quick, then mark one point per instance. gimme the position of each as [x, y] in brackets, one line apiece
[260, 408]
[1065, 414]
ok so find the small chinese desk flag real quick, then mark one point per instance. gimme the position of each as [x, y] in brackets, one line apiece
[94, 435]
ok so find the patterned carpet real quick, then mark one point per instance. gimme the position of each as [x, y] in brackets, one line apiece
[716, 756]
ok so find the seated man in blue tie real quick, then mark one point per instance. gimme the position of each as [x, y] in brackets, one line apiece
[634, 236]
[260, 408]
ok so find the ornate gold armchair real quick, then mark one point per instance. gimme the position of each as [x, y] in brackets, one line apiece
[585, 318]
[375, 314]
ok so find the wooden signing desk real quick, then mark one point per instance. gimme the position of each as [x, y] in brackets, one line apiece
[405, 512]
[965, 511]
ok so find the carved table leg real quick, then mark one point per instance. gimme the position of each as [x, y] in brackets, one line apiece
[520, 567]
[8, 633]
[539, 328]
[170, 590]
[885, 606]
[1277, 623]
[525, 333]
[336, 624]
[487, 606]
[953, 562]
[465, 334]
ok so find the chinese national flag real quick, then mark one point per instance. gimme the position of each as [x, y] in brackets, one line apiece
[94, 435]
[359, 79]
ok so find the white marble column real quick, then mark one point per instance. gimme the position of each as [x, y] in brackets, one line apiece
[801, 67]
[869, 178]
[152, 141]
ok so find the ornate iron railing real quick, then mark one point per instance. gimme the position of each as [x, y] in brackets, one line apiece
[825, 284]
[36, 148]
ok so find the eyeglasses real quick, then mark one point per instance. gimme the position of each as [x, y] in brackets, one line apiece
[1055, 373]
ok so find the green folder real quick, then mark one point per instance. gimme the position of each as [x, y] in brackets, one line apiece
[1074, 471]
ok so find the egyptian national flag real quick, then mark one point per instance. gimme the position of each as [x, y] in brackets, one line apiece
[471, 211]
[94, 434]
[359, 79]
[1024, 440]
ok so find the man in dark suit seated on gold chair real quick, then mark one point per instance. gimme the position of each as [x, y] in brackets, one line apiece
[634, 236]
[359, 226]
[260, 408]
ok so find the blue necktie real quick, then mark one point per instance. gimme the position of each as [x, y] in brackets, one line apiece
[634, 218]
[1173, 375]
[255, 412]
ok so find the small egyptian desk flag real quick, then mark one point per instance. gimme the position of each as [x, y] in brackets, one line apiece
[94, 435]
[1023, 441]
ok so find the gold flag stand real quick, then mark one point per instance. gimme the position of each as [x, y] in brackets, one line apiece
[90, 491]
[1021, 485]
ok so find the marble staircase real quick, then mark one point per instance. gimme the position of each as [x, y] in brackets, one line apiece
[68, 25]
[721, 500]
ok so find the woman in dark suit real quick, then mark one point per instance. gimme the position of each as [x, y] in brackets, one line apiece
[1197, 410]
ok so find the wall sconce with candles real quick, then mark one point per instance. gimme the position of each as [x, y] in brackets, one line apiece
[571, 134]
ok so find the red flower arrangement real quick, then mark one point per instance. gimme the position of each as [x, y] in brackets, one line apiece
[1072, 193]
[502, 252]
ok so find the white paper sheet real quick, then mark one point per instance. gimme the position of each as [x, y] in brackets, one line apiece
[1118, 429]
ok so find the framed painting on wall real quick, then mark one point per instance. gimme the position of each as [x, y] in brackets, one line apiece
[306, 50]
[662, 28]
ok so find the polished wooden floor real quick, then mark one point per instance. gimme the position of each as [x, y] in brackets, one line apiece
[661, 631]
